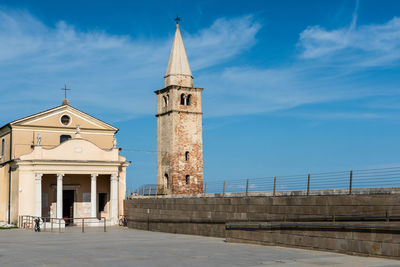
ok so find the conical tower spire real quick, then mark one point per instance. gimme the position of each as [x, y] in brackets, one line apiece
[178, 69]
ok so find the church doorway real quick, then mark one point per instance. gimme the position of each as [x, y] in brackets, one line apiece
[68, 205]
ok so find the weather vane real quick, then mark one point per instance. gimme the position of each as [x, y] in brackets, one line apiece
[65, 89]
[177, 19]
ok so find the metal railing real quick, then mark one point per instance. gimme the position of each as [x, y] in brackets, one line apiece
[343, 182]
[159, 190]
[151, 190]
[347, 180]
[50, 224]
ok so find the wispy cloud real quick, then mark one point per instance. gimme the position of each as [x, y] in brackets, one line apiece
[114, 74]
[365, 45]
[332, 65]
[223, 40]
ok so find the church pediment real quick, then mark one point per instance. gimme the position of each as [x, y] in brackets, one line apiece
[64, 116]
[74, 150]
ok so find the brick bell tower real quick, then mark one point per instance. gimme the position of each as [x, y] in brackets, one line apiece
[179, 127]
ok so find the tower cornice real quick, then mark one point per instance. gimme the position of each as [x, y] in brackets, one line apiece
[178, 111]
[177, 87]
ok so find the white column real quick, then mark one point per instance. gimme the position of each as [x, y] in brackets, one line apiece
[38, 180]
[93, 195]
[114, 198]
[60, 195]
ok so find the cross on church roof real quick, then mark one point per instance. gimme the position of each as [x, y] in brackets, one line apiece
[177, 19]
[65, 89]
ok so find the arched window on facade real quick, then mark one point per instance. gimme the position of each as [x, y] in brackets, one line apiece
[188, 100]
[183, 99]
[187, 155]
[166, 180]
[2, 147]
[64, 138]
[187, 179]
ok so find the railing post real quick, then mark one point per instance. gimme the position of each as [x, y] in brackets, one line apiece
[247, 187]
[59, 225]
[223, 190]
[83, 225]
[351, 182]
[44, 225]
[51, 223]
[104, 218]
[274, 186]
[308, 185]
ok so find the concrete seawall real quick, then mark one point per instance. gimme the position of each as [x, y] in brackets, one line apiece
[367, 222]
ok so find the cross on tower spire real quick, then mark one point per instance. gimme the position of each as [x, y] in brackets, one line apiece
[177, 19]
[65, 89]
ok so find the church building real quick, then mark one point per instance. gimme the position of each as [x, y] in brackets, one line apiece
[61, 163]
[179, 127]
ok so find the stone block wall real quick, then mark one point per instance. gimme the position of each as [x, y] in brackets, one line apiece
[352, 222]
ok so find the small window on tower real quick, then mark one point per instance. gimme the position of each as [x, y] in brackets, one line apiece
[187, 155]
[166, 180]
[166, 100]
[183, 99]
[187, 179]
[188, 100]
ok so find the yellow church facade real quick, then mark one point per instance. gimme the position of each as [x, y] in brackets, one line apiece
[61, 163]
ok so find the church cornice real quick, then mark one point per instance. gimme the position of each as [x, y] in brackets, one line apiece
[61, 129]
[69, 162]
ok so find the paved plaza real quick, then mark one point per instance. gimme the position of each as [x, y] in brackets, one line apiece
[128, 247]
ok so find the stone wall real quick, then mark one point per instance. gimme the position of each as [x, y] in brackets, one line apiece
[344, 223]
[361, 238]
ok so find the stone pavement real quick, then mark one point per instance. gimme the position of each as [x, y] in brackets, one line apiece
[128, 247]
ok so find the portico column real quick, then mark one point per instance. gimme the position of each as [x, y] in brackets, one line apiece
[93, 194]
[38, 180]
[60, 195]
[114, 198]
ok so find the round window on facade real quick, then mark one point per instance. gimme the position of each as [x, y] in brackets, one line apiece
[65, 119]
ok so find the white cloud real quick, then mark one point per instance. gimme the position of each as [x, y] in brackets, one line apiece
[111, 75]
[333, 66]
[366, 45]
[222, 41]
[114, 76]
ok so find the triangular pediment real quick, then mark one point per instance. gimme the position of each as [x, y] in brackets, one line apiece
[53, 118]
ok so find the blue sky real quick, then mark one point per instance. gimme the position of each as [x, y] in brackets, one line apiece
[290, 86]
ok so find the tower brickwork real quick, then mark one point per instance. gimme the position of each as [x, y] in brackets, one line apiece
[179, 127]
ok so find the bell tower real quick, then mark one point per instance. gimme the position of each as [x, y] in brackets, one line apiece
[179, 126]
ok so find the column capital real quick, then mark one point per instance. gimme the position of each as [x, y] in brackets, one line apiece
[38, 176]
[94, 175]
[60, 176]
[114, 177]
